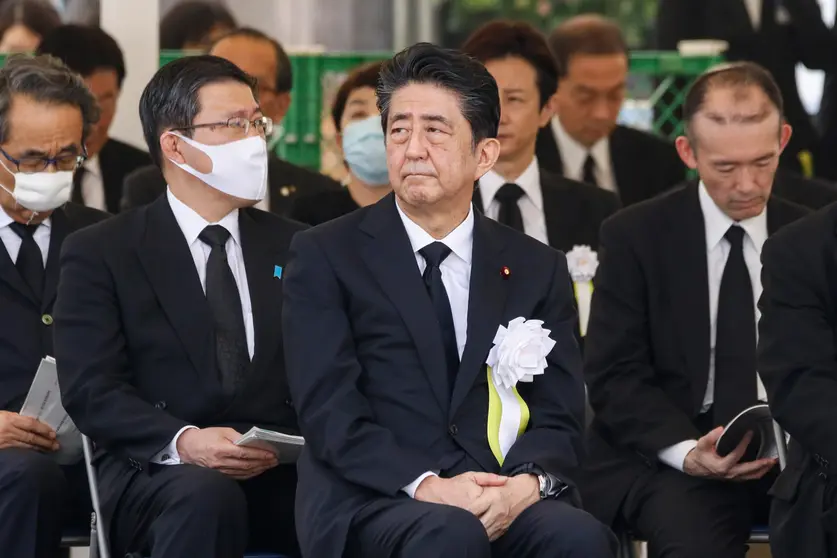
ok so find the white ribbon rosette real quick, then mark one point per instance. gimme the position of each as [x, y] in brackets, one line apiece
[518, 355]
[582, 263]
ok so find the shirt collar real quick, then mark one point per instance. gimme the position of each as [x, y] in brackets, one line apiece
[193, 224]
[92, 166]
[460, 240]
[529, 182]
[6, 220]
[717, 222]
[573, 154]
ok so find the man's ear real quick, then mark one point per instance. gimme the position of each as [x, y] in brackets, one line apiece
[686, 151]
[488, 150]
[170, 148]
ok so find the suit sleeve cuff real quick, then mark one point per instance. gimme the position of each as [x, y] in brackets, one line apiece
[674, 456]
[411, 488]
[169, 455]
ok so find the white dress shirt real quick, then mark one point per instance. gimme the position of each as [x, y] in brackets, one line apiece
[456, 276]
[530, 204]
[192, 225]
[92, 185]
[717, 223]
[574, 155]
[12, 241]
[754, 11]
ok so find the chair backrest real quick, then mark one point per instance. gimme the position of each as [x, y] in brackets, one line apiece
[98, 524]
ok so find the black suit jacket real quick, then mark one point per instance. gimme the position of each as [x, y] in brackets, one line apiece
[117, 160]
[134, 338]
[285, 182]
[812, 193]
[644, 165]
[573, 211]
[26, 325]
[648, 339]
[799, 35]
[797, 347]
[366, 366]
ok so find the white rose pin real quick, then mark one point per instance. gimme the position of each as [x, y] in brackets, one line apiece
[518, 355]
[582, 263]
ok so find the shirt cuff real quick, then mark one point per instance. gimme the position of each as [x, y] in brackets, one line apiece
[411, 488]
[169, 455]
[674, 456]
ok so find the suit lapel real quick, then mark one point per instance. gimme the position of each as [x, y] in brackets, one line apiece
[686, 260]
[389, 256]
[59, 229]
[170, 268]
[624, 166]
[486, 302]
[547, 151]
[260, 257]
[561, 218]
[109, 166]
[476, 199]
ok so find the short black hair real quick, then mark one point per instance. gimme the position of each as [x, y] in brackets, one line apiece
[191, 22]
[589, 34]
[36, 15]
[503, 39]
[734, 75]
[284, 72]
[479, 99]
[85, 50]
[171, 99]
[362, 76]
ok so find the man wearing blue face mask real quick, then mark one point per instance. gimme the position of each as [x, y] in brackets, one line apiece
[361, 138]
[167, 328]
[46, 114]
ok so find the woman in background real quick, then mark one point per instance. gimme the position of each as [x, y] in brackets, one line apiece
[24, 22]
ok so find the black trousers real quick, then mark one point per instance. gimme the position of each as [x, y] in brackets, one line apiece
[38, 501]
[406, 528]
[806, 524]
[686, 517]
[184, 511]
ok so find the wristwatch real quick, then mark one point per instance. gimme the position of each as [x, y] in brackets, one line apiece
[544, 485]
[548, 485]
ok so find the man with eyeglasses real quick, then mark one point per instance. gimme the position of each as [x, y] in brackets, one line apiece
[46, 114]
[168, 331]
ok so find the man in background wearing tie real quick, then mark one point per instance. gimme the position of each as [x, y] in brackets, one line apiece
[94, 55]
[671, 345]
[517, 192]
[583, 141]
[46, 114]
[168, 324]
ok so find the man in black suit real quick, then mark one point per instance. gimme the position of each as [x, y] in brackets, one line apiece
[777, 34]
[796, 360]
[583, 141]
[94, 54]
[167, 324]
[670, 351]
[263, 58]
[390, 313]
[46, 116]
[555, 210]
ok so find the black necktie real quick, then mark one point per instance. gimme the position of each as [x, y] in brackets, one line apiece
[735, 338]
[590, 171]
[78, 194]
[509, 214]
[231, 352]
[30, 259]
[434, 254]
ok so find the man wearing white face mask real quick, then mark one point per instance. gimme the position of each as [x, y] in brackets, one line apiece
[361, 137]
[167, 332]
[46, 114]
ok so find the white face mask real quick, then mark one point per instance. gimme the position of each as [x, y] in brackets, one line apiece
[41, 191]
[239, 168]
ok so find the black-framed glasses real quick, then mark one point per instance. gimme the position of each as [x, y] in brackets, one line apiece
[240, 125]
[31, 165]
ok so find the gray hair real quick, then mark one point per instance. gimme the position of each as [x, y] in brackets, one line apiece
[46, 80]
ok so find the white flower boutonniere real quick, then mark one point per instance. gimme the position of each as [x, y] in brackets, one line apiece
[582, 263]
[518, 355]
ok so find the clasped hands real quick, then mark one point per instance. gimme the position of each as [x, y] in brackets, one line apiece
[494, 499]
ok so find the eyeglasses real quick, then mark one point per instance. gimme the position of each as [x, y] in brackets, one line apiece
[31, 165]
[241, 126]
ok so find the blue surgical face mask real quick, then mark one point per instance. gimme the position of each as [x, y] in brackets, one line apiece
[365, 152]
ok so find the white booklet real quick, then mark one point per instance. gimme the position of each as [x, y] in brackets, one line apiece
[43, 402]
[756, 419]
[286, 447]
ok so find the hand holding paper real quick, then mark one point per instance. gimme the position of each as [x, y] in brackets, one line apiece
[215, 448]
[17, 431]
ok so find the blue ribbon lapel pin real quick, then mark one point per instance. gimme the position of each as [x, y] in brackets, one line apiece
[277, 271]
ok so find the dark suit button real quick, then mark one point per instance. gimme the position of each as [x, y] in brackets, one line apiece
[160, 404]
[46, 319]
[453, 430]
[289, 403]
